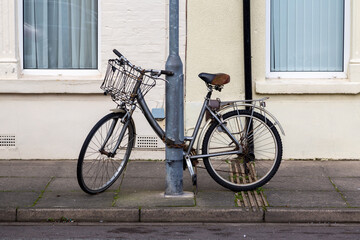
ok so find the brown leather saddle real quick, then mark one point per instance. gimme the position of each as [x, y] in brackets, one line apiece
[217, 79]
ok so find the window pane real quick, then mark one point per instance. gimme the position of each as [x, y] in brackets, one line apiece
[307, 35]
[60, 34]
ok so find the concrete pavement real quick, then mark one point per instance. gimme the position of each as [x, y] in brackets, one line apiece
[301, 191]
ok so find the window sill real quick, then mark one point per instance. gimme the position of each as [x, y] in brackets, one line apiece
[307, 86]
[50, 86]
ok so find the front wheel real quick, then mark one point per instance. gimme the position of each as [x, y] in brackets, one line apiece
[257, 157]
[105, 153]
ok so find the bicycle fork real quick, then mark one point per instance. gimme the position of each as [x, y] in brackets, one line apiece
[125, 120]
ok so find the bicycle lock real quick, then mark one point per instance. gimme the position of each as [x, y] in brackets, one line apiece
[174, 108]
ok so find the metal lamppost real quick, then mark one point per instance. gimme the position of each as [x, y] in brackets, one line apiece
[174, 108]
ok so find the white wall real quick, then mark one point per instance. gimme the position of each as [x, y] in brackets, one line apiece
[50, 116]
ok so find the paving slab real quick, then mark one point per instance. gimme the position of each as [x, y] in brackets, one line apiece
[150, 184]
[347, 183]
[342, 168]
[23, 184]
[60, 184]
[78, 215]
[38, 168]
[146, 169]
[143, 184]
[292, 168]
[18, 199]
[300, 183]
[352, 198]
[306, 199]
[205, 182]
[75, 200]
[215, 199]
[152, 199]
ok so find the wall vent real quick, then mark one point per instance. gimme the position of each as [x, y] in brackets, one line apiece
[7, 141]
[147, 141]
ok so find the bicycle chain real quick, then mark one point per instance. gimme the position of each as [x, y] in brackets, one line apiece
[176, 145]
[171, 144]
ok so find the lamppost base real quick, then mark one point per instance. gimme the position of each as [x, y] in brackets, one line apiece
[183, 195]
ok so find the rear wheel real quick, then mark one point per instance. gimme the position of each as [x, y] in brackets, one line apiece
[100, 164]
[259, 155]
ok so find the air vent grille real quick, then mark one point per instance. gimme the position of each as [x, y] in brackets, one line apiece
[147, 142]
[7, 141]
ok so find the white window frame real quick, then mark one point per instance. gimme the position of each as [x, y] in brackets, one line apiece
[306, 75]
[56, 72]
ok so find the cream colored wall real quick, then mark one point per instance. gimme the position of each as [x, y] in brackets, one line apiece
[214, 45]
[318, 127]
[51, 115]
[320, 116]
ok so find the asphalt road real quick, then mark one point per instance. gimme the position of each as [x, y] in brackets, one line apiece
[177, 231]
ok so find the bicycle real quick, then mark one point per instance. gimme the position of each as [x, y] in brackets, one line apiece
[241, 147]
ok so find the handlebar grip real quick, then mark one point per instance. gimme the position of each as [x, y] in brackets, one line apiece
[117, 53]
[167, 73]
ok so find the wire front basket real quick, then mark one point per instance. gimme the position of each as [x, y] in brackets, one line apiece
[121, 79]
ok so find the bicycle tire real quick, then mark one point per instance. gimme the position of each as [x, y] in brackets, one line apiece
[261, 151]
[96, 170]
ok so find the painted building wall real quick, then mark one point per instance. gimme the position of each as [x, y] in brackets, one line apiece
[320, 116]
[214, 45]
[48, 117]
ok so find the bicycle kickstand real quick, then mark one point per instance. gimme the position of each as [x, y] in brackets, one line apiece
[192, 173]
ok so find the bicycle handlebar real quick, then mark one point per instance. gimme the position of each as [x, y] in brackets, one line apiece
[117, 53]
[155, 72]
[167, 73]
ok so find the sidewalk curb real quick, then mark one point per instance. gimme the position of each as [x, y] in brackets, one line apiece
[281, 215]
[231, 215]
[78, 215]
[8, 215]
[205, 215]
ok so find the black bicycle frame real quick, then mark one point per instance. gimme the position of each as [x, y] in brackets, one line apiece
[161, 133]
[149, 117]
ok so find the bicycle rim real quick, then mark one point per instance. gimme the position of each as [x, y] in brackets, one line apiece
[97, 171]
[261, 151]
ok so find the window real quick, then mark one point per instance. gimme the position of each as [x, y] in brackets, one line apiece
[60, 34]
[306, 38]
